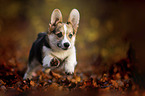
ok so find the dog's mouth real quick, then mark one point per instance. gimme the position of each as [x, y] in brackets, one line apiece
[64, 48]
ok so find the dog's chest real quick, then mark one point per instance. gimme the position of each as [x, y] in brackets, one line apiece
[60, 54]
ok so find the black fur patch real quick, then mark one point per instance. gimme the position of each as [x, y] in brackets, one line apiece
[36, 50]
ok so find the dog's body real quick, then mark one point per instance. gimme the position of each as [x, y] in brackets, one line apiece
[58, 43]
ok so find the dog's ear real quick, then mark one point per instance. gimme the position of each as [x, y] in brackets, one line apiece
[56, 16]
[74, 18]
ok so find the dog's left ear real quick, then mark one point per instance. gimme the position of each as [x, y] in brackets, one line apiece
[74, 18]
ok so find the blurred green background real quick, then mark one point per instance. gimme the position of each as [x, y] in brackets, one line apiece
[106, 29]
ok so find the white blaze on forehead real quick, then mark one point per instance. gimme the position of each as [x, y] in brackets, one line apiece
[65, 28]
[65, 40]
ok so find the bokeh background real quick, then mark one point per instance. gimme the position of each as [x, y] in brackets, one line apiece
[106, 31]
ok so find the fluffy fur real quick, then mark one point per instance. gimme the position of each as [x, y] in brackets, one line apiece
[58, 42]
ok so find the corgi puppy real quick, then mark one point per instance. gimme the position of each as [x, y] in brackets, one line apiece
[55, 47]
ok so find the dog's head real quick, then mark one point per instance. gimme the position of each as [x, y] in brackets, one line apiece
[62, 35]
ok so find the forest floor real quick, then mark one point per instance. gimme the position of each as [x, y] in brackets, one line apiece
[118, 81]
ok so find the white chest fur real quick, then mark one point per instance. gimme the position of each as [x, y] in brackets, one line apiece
[60, 54]
[70, 62]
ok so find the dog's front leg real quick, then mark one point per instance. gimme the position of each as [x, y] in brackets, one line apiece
[70, 64]
[46, 62]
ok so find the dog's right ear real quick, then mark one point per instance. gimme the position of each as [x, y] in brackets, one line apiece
[56, 16]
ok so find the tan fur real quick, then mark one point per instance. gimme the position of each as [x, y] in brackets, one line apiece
[59, 34]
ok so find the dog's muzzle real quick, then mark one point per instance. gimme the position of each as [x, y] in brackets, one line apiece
[65, 46]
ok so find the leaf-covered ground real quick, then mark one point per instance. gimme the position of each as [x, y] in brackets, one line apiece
[118, 81]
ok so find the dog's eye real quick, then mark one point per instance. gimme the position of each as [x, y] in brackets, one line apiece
[59, 34]
[70, 35]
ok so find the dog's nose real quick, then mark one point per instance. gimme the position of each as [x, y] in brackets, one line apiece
[66, 45]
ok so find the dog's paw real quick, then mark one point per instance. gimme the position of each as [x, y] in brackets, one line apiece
[54, 62]
[29, 75]
[69, 73]
[69, 69]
